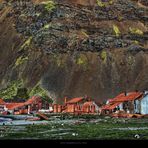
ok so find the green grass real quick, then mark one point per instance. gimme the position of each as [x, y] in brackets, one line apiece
[104, 130]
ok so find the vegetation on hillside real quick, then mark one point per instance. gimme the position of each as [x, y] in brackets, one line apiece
[135, 31]
[39, 91]
[116, 30]
[49, 5]
[101, 3]
[21, 60]
[14, 90]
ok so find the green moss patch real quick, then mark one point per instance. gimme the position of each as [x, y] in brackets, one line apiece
[116, 30]
[49, 5]
[82, 61]
[26, 43]
[104, 56]
[21, 60]
[101, 3]
[12, 89]
[135, 31]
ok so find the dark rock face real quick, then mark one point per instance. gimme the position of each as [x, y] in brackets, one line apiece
[57, 31]
[100, 79]
[76, 48]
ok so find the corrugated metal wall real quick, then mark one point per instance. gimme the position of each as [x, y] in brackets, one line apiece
[137, 106]
[144, 105]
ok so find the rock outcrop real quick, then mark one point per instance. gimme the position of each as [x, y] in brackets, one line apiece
[75, 48]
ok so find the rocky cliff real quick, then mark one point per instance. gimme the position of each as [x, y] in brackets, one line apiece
[74, 48]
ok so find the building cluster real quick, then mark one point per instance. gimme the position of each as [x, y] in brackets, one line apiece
[123, 105]
[77, 105]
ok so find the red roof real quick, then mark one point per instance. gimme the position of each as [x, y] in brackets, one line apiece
[110, 106]
[122, 98]
[129, 97]
[31, 100]
[11, 106]
[75, 100]
[1, 101]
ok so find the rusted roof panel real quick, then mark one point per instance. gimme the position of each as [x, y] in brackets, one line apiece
[75, 100]
[126, 115]
[122, 98]
[1, 101]
[129, 97]
[110, 106]
[12, 106]
[31, 100]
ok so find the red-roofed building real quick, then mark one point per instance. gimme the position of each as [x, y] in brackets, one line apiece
[132, 102]
[32, 105]
[16, 108]
[90, 107]
[77, 105]
[74, 105]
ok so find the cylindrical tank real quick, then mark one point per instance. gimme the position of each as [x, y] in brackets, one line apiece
[93, 108]
[59, 108]
[55, 109]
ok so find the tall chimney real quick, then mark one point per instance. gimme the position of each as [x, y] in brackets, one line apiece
[65, 100]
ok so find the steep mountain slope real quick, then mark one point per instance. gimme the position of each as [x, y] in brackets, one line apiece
[75, 47]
